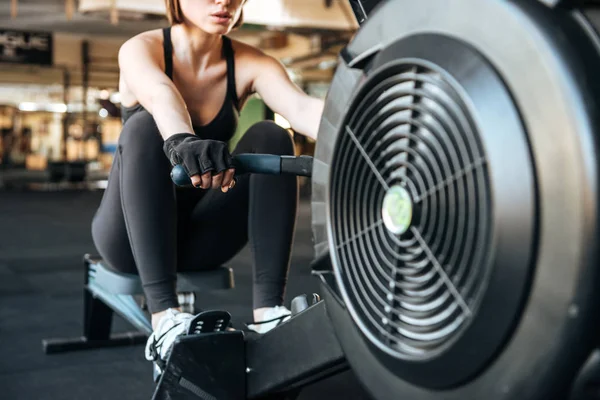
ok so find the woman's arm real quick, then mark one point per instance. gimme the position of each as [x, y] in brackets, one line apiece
[140, 60]
[284, 97]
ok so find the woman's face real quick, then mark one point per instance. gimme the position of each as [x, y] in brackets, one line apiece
[212, 16]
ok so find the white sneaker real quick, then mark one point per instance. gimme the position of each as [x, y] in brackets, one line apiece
[272, 317]
[172, 325]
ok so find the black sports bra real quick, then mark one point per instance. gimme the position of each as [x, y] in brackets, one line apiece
[224, 125]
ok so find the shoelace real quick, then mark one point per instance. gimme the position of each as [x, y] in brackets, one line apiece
[268, 320]
[156, 345]
[157, 342]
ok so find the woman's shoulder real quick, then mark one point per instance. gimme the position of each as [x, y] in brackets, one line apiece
[151, 37]
[144, 44]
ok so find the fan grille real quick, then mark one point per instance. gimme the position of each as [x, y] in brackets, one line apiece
[410, 211]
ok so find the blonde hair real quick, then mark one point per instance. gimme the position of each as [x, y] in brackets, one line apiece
[175, 15]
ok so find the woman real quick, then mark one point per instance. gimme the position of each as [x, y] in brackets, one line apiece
[181, 90]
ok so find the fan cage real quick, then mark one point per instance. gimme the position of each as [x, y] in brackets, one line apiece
[412, 291]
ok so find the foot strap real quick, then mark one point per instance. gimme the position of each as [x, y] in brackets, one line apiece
[278, 319]
[281, 318]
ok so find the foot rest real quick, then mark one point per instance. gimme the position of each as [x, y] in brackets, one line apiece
[207, 366]
[209, 321]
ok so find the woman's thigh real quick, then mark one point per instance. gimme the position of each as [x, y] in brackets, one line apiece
[109, 231]
[217, 228]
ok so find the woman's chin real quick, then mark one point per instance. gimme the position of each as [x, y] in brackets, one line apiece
[212, 28]
[217, 29]
[221, 29]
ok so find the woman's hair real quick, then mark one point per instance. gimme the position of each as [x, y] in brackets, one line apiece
[175, 15]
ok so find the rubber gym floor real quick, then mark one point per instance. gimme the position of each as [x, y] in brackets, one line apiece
[43, 237]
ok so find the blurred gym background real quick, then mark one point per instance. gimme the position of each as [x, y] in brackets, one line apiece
[59, 99]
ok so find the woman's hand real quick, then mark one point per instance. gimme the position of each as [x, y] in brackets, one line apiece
[207, 162]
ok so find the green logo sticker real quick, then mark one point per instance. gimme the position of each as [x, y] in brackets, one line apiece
[397, 210]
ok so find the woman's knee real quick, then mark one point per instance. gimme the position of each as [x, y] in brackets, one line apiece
[140, 132]
[268, 137]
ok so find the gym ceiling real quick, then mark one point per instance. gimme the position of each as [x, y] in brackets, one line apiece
[306, 35]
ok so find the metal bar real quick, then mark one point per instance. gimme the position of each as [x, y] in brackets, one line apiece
[297, 353]
[97, 323]
[85, 74]
[63, 345]
[97, 316]
[297, 165]
[66, 116]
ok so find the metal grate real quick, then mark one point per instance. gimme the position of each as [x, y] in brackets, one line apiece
[410, 211]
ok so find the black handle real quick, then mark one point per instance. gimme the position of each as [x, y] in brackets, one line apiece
[268, 164]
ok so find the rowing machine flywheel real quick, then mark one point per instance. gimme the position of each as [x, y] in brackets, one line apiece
[455, 193]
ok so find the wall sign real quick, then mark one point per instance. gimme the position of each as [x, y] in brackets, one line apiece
[21, 47]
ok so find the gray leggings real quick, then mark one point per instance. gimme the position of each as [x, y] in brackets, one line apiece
[145, 225]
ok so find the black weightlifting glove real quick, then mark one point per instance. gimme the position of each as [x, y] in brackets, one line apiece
[197, 156]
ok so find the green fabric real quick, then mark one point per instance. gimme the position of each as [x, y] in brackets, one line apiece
[253, 112]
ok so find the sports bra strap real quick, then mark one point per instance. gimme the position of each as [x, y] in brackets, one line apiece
[168, 52]
[230, 57]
